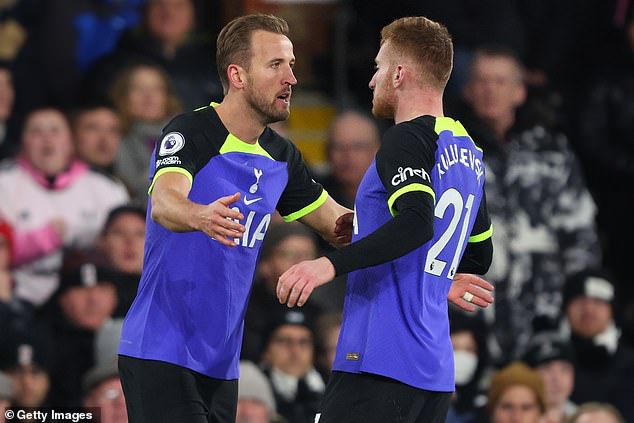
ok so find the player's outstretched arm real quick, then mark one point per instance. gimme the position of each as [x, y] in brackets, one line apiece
[468, 291]
[332, 221]
[172, 209]
[297, 283]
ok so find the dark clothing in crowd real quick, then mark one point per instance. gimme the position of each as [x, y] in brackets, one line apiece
[192, 68]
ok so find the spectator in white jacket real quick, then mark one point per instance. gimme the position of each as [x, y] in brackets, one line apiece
[47, 191]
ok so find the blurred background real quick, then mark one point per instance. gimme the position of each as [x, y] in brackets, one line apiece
[546, 87]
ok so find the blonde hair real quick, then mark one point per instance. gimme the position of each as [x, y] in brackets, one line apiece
[427, 43]
[590, 407]
[120, 90]
[234, 41]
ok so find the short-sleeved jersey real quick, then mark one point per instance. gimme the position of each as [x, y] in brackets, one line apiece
[190, 305]
[395, 314]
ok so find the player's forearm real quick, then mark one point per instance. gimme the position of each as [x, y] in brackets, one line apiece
[174, 211]
[396, 238]
[477, 257]
[324, 219]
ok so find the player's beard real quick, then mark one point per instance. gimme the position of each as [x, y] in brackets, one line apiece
[266, 109]
[383, 103]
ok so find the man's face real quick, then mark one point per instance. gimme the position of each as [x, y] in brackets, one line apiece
[123, 243]
[31, 385]
[147, 95]
[559, 379]
[47, 142]
[354, 142]
[251, 410]
[291, 350]
[495, 88]
[517, 404]
[170, 20]
[270, 77]
[88, 307]
[588, 317]
[383, 95]
[97, 136]
[7, 94]
[108, 396]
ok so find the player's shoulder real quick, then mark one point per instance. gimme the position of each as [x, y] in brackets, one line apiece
[279, 147]
[420, 129]
[199, 120]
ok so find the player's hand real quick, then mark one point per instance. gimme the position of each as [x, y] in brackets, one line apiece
[343, 229]
[219, 221]
[472, 287]
[297, 283]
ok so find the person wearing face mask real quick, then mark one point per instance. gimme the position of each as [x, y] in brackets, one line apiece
[468, 338]
[604, 367]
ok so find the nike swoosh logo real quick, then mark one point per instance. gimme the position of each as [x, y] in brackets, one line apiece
[249, 202]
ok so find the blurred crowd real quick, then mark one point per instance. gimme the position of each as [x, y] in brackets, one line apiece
[546, 88]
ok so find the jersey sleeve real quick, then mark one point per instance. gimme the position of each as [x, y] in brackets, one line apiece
[405, 161]
[302, 194]
[482, 228]
[179, 149]
[478, 253]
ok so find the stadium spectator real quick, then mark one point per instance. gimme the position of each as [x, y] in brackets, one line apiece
[168, 37]
[353, 140]
[606, 145]
[145, 100]
[47, 189]
[553, 358]
[101, 385]
[255, 397]
[604, 367]
[516, 394]
[471, 358]
[26, 359]
[284, 245]
[85, 301]
[122, 241]
[541, 210]
[288, 363]
[97, 134]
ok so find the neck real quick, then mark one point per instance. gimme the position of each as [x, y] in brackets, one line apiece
[240, 119]
[419, 102]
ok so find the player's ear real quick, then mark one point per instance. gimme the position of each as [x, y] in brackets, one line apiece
[236, 76]
[397, 77]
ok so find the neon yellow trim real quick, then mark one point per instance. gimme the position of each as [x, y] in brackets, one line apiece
[214, 104]
[483, 236]
[444, 123]
[235, 144]
[168, 170]
[309, 208]
[409, 188]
